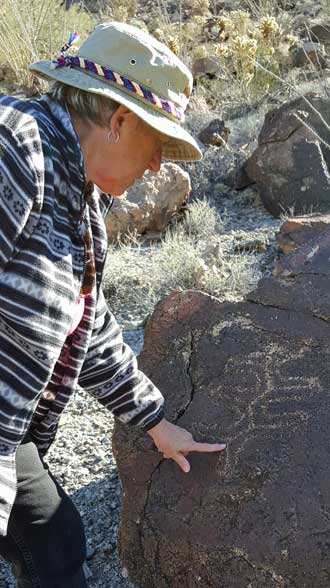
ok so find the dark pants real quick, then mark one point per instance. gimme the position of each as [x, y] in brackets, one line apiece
[45, 542]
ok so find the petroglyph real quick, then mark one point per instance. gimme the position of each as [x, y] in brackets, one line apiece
[256, 375]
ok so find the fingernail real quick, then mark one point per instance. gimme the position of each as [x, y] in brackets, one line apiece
[222, 445]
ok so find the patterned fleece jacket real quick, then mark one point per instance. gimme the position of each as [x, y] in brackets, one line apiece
[43, 212]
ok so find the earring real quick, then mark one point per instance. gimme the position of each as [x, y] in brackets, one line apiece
[114, 139]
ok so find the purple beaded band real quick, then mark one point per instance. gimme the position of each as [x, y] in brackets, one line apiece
[122, 81]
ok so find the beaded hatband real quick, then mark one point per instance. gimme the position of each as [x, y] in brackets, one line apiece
[122, 81]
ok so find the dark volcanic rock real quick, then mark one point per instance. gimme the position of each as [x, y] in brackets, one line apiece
[302, 277]
[209, 67]
[297, 231]
[256, 375]
[216, 133]
[320, 32]
[291, 163]
[309, 54]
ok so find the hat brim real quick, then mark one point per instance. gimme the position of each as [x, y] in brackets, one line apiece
[182, 147]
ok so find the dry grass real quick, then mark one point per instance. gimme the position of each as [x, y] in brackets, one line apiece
[202, 221]
[190, 256]
[31, 30]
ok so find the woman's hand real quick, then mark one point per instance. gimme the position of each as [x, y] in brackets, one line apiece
[175, 443]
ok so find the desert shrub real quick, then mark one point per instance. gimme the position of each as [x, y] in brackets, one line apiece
[201, 221]
[128, 278]
[179, 264]
[245, 42]
[199, 7]
[117, 10]
[240, 39]
[237, 275]
[183, 263]
[182, 38]
[242, 273]
[136, 277]
[31, 30]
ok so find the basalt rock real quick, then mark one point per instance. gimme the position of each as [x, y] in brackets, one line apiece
[320, 32]
[254, 374]
[216, 133]
[310, 54]
[208, 67]
[291, 163]
[299, 230]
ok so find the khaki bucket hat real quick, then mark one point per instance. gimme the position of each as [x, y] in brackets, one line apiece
[130, 66]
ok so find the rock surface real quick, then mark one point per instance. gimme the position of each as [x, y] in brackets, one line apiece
[256, 375]
[320, 32]
[216, 133]
[310, 54]
[291, 164]
[150, 204]
[207, 67]
[7, 73]
[297, 231]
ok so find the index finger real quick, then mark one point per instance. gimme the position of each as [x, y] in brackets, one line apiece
[207, 447]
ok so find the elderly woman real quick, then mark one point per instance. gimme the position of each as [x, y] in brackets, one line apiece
[113, 111]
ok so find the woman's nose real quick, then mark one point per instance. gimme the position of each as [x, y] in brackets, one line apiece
[156, 160]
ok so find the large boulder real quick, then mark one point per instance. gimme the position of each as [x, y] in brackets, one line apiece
[150, 204]
[256, 375]
[291, 163]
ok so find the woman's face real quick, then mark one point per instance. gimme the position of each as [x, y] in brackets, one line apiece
[114, 167]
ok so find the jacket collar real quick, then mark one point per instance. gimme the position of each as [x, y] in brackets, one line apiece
[62, 124]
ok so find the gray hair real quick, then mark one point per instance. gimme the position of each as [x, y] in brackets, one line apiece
[94, 107]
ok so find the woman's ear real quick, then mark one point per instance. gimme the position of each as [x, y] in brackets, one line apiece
[123, 117]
